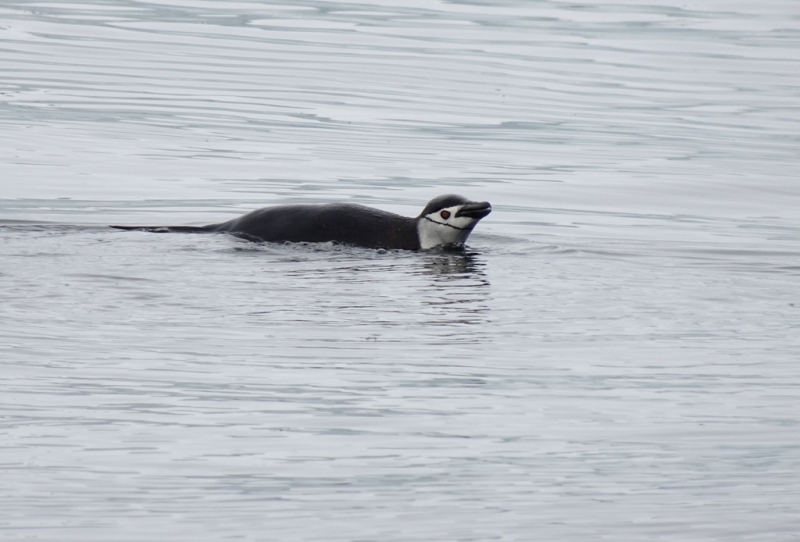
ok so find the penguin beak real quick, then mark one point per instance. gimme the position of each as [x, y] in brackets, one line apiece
[475, 209]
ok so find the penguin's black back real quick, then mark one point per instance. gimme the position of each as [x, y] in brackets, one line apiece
[338, 222]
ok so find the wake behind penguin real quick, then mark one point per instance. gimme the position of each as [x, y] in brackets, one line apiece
[446, 221]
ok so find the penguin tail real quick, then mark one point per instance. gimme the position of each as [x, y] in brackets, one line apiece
[166, 229]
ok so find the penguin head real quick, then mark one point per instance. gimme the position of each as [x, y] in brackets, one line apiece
[448, 220]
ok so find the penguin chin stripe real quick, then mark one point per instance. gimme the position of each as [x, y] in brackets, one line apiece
[443, 224]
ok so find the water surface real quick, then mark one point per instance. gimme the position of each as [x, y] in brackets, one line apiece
[615, 354]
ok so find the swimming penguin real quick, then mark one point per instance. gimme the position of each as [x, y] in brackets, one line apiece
[446, 221]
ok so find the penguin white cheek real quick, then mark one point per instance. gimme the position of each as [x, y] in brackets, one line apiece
[444, 228]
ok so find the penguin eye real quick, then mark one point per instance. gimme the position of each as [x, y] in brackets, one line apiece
[445, 214]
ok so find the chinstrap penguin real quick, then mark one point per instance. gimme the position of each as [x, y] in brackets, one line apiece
[445, 222]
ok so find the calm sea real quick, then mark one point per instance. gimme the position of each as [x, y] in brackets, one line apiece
[616, 356]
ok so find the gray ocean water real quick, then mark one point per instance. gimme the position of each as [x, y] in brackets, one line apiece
[615, 356]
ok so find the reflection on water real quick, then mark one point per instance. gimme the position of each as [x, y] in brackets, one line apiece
[459, 293]
[456, 265]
